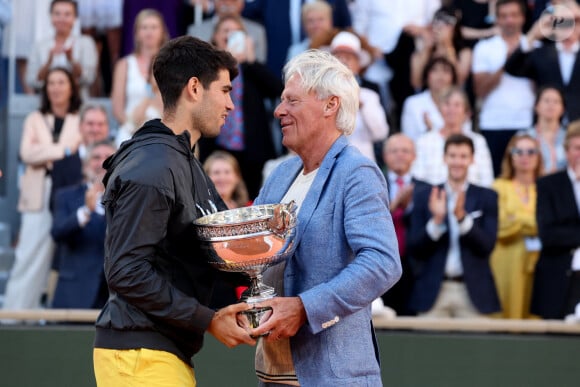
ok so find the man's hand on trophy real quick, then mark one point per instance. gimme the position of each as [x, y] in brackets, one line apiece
[224, 326]
[287, 317]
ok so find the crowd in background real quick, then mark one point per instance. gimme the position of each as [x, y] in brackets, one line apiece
[469, 106]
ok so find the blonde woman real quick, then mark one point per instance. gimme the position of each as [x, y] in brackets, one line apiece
[224, 171]
[516, 252]
[131, 74]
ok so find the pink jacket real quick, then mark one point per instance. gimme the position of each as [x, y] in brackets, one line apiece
[38, 151]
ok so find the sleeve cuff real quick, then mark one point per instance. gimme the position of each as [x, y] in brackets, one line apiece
[435, 231]
[465, 225]
[83, 215]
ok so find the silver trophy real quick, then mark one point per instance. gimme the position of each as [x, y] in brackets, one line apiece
[249, 240]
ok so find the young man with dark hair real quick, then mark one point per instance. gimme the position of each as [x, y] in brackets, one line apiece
[159, 281]
[452, 234]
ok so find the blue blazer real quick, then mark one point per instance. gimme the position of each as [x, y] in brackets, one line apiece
[346, 256]
[428, 256]
[81, 251]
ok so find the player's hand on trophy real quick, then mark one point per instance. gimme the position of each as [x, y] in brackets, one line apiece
[288, 315]
[225, 328]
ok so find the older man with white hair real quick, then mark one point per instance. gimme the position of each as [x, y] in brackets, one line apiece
[346, 253]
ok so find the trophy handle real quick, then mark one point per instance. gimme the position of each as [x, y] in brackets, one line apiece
[283, 218]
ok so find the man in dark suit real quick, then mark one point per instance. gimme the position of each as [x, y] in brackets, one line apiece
[555, 63]
[79, 229]
[451, 236]
[557, 277]
[398, 155]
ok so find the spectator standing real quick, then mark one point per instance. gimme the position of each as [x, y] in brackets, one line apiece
[516, 252]
[66, 48]
[49, 134]
[549, 113]
[555, 63]
[556, 282]
[223, 8]
[247, 133]
[502, 115]
[442, 38]
[452, 234]
[78, 228]
[429, 165]
[130, 78]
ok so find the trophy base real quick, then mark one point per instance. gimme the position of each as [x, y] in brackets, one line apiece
[252, 318]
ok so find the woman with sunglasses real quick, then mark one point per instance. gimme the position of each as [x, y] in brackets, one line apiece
[516, 252]
[548, 130]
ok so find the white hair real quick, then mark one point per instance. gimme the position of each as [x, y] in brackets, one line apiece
[320, 72]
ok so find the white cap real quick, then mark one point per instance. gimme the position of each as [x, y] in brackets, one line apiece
[348, 42]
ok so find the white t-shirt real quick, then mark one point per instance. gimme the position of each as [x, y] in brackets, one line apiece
[510, 104]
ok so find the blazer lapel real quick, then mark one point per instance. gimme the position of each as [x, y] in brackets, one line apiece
[568, 200]
[552, 63]
[471, 199]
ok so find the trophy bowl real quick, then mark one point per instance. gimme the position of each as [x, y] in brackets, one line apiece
[249, 240]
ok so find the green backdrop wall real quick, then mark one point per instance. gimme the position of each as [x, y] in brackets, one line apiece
[61, 356]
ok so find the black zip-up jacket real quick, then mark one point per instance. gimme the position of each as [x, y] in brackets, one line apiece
[159, 281]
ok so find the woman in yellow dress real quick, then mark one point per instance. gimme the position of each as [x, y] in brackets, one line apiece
[516, 252]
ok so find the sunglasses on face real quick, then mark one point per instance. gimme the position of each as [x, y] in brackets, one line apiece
[521, 152]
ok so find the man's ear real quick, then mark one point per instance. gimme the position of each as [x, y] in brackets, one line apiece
[332, 105]
[193, 88]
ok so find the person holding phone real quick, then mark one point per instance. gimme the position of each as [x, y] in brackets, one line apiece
[249, 119]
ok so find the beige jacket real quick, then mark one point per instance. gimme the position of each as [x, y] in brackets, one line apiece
[38, 151]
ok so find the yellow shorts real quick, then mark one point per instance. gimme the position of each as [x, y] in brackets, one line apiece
[140, 367]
